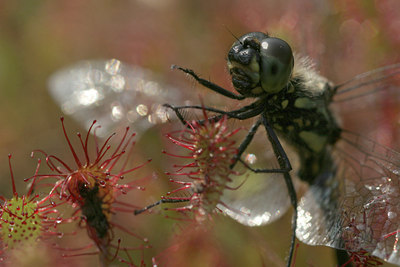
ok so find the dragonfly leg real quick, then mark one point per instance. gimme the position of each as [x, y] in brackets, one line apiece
[245, 143]
[284, 164]
[243, 113]
[210, 85]
[261, 170]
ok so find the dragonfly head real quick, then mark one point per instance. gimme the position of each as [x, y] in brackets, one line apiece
[260, 64]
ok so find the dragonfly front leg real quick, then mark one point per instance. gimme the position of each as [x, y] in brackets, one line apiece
[216, 88]
[243, 113]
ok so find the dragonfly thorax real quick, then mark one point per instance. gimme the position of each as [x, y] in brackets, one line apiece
[301, 115]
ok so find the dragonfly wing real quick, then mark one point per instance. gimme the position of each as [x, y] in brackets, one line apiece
[356, 208]
[372, 207]
[262, 198]
[318, 213]
[369, 104]
[368, 83]
[114, 93]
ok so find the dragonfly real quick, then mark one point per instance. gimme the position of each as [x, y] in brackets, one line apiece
[352, 202]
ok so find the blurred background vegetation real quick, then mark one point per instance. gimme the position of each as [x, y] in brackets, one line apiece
[344, 38]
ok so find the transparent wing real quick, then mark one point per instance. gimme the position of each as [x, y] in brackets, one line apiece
[259, 201]
[358, 207]
[368, 83]
[369, 104]
[355, 205]
[262, 198]
[114, 93]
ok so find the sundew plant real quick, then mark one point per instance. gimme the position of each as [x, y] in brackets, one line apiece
[29, 222]
[211, 147]
[96, 199]
[92, 188]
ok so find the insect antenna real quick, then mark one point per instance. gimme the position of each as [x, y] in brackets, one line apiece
[233, 35]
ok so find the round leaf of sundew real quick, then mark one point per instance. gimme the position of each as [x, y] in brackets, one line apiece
[19, 222]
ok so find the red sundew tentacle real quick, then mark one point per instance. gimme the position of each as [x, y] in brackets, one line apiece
[132, 144]
[121, 142]
[134, 184]
[64, 186]
[178, 189]
[100, 156]
[185, 139]
[117, 250]
[177, 156]
[124, 189]
[195, 177]
[12, 177]
[189, 165]
[183, 169]
[141, 247]
[77, 161]
[181, 209]
[53, 166]
[55, 187]
[34, 179]
[179, 143]
[391, 234]
[100, 153]
[179, 132]
[113, 158]
[183, 174]
[130, 262]
[56, 246]
[96, 142]
[48, 210]
[230, 134]
[23, 205]
[83, 147]
[134, 169]
[83, 177]
[44, 176]
[205, 115]
[42, 152]
[192, 127]
[180, 182]
[79, 254]
[129, 232]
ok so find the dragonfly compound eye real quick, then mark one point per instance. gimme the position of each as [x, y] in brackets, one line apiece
[260, 64]
[276, 64]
